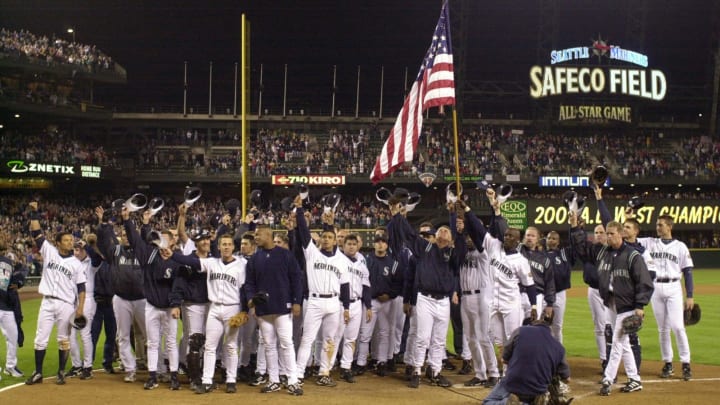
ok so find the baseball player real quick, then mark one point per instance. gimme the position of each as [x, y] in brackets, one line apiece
[542, 270]
[359, 278]
[248, 335]
[225, 280]
[104, 316]
[62, 286]
[386, 277]
[273, 271]
[509, 270]
[435, 273]
[476, 287]
[562, 260]
[598, 311]
[672, 261]
[625, 287]
[82, 366]
[190, 287]
[127, 282]
[158, 274]
[327, 278]
[186, 244]
[8, 282]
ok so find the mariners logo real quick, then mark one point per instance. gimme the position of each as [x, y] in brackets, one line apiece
[600, 47]
[427, 178]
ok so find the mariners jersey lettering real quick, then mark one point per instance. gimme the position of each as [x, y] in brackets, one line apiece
[6, 271]
[668, 258]
[325, 273]
[475, 273]
[358, 275]
[508, 270]
[60, 275]
[224, 280]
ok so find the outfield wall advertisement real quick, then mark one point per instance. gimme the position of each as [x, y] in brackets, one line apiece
[552, 214]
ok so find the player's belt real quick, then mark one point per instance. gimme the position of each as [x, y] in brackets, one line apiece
[471, 292]
[666, 280]
[52, 297]
[323, 295]
[434, 296]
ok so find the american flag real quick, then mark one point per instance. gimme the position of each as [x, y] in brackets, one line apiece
[433, 87]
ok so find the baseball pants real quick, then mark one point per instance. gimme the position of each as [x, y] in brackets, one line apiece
[433, 316]
[348, 334]
[10, 331]
[321, 315]
[504, 321]
[409, 356]
[54, 312]
[620, 348]
[247, 339]
[276, 331]
[476, 326]
[125, 312]
[218, 325]
[85, 335]
[194, 317]
[668, 306]
[159, 322]
[558, 315]
[398, 324]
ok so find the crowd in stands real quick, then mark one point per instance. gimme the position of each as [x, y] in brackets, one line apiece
[53, 50]
[55, 146]
[484, 151]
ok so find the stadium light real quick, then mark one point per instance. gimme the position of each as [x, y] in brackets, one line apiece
[17, 115]
[71, 31]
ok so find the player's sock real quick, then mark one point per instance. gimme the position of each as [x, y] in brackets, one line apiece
[39, 359]
[63, 358]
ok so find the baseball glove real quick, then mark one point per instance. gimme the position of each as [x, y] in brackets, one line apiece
[260, 298]
[238, 320]
[559, 392]
[79, 322]
[692, 316]
[632, 324]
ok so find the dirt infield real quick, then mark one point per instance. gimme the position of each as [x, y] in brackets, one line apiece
[370, 389]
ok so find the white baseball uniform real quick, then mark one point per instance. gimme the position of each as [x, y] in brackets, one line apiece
[669, 259]
[325, 274]
[508, 271]
[89, 312]
[359, 276]
[476, 287]
[58, 286]
[7, 316]
[225, 281]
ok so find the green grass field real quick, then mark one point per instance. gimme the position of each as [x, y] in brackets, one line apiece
[578, 330]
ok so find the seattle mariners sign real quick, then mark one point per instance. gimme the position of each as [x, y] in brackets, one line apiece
[558, 80]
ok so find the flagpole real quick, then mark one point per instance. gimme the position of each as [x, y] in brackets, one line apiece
[457, 154]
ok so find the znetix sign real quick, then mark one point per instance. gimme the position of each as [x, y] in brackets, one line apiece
[19, 166]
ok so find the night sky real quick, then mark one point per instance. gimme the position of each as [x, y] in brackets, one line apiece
[153, 39]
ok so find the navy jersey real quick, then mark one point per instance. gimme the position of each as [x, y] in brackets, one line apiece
[276, 272]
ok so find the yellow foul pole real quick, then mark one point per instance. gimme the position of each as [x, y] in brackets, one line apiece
[244, 47]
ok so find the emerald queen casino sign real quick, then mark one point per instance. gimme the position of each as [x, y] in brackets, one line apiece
[558, 80]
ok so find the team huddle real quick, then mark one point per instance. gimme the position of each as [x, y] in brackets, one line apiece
[288, 306]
